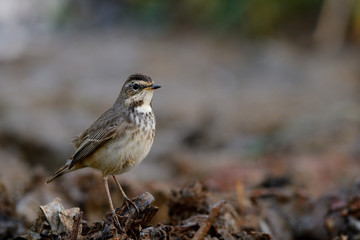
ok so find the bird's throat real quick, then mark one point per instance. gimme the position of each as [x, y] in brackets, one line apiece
[144, 108]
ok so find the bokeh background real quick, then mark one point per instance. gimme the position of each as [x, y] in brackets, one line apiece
[251, 90]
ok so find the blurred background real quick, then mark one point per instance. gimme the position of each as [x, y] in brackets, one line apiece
[251, 90]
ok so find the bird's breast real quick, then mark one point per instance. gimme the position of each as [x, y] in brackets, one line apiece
[131, 144]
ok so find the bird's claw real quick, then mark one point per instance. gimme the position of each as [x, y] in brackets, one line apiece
[116, 220]
[128, 201]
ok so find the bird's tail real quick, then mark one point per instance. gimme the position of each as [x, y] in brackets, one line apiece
[64, 169]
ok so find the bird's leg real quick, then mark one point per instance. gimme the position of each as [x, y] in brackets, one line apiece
[126, 199]
[116, 221]
[108, 193]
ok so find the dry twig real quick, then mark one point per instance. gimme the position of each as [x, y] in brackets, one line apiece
[205, 226]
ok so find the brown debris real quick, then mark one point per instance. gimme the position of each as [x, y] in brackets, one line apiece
[192, 213]
[278, 211]
[343, 217]
[75, 230]
[288, 214]
[54, 221]
[10, 225]
[205, 226]
[274, 212]
[193, 216]
[185, 201]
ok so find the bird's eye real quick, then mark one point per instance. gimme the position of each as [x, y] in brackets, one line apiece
[136, 86]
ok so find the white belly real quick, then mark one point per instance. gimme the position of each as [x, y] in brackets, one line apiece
[125, 151]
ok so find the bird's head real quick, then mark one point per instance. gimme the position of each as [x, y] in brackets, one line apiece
[138, 90]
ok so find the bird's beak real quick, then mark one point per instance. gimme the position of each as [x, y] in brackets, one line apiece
[154, 86]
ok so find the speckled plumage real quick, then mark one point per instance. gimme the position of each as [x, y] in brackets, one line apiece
[121, 137]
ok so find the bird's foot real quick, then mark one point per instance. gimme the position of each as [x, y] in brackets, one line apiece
[128, 201]
[116, 222]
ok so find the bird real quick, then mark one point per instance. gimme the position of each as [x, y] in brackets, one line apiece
[120, 138]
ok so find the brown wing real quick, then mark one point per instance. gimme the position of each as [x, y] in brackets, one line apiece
[101, 131]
